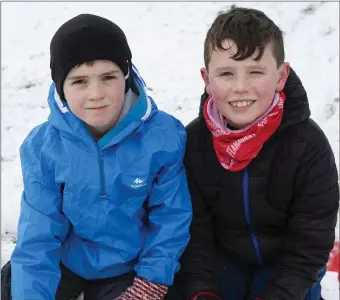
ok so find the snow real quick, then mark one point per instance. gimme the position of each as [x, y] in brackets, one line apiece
[166, 40]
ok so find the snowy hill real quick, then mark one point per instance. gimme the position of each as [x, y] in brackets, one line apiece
[166, 40]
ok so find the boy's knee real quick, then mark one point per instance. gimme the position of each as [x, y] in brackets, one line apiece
[6, 282]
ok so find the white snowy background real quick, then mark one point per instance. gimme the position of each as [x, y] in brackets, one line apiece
[166, 40]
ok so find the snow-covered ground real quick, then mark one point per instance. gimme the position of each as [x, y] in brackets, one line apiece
[166, 40]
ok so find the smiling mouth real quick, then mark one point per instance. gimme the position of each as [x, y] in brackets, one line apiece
[243, 103]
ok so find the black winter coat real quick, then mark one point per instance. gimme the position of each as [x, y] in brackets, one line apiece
[280, 210]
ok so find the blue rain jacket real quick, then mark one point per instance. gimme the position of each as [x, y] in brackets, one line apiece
[101, 208]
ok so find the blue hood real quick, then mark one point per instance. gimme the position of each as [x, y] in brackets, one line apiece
[66, 122]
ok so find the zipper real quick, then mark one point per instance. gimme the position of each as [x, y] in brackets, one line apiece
[101, 173]
[245, 188]
[101, 169]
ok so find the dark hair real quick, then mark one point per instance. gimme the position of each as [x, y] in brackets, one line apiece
[249, 29]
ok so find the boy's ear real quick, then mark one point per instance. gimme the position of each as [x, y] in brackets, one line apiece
[283, 75]
[205, 77]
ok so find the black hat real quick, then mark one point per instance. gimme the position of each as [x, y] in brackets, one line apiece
[86, 38]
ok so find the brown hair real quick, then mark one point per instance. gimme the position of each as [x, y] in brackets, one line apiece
[249, 29]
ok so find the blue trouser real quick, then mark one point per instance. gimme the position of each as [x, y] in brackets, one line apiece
[315, 291]
[240, 281]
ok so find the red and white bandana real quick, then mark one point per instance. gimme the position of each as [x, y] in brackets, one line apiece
[236, 148]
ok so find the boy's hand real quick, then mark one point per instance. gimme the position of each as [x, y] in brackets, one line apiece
[142, 289]
[205, 296]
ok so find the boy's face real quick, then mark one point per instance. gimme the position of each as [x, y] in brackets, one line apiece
[95, 93]
[243, 90]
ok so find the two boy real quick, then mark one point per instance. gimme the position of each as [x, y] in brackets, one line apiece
[105, 190]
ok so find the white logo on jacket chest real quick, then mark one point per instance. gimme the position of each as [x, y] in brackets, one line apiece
[138, 183]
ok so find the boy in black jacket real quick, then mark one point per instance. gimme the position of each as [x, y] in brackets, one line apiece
[261, 173]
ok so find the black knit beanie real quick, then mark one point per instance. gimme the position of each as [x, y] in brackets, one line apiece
[86, 38]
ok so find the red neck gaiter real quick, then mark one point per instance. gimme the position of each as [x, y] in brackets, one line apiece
[235, 149]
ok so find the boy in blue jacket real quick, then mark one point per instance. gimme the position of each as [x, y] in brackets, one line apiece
[105, 208]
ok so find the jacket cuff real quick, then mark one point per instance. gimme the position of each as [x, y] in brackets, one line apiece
[159, 271]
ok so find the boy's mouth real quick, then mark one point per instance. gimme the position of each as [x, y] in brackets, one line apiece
[242, 103]
[96, 107]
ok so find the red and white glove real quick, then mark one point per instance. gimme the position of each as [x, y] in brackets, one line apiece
[142, 289]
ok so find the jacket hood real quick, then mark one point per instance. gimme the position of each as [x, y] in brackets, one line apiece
[70, 125]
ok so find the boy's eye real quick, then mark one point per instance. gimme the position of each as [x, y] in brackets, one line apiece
[109, 77]
[226, 74]
[256, 72]
[79, 81]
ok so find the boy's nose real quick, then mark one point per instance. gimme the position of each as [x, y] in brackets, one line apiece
[240, 86]
[95, 92]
